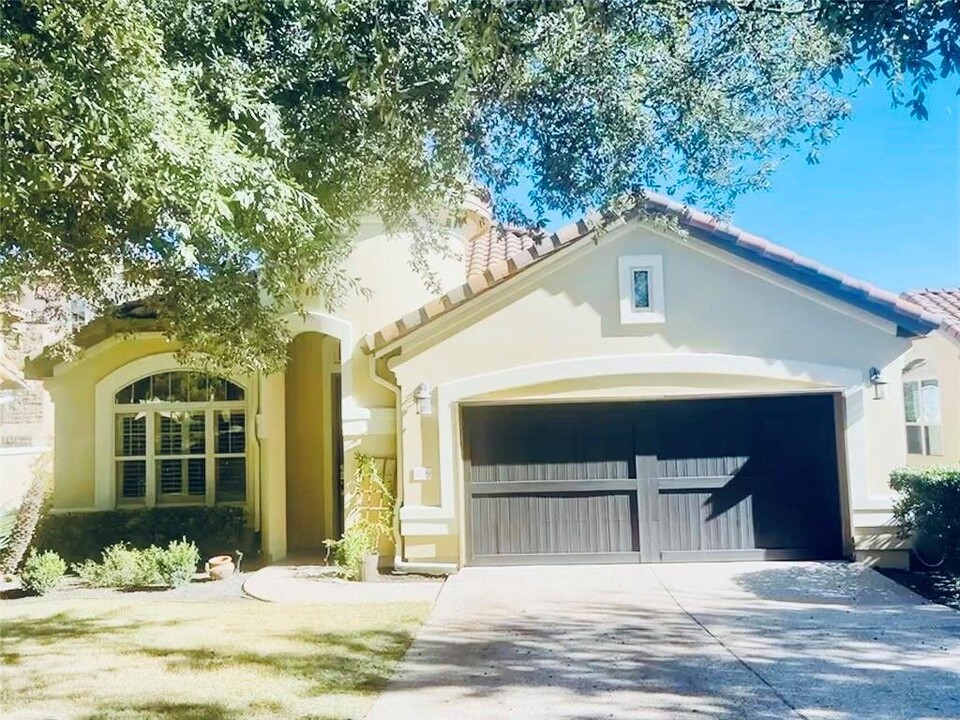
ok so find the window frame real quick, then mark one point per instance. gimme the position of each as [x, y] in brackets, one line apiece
[107, 494]
[923, 423]
[655, 312]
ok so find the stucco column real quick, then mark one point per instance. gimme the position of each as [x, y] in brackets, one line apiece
[273, 478]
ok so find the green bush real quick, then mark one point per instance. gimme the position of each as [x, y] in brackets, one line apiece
[177, 564]
[929, 506]
[42, 572]
[122, 566]
[216, 530]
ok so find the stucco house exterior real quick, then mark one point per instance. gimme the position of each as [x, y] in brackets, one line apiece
[616, 391]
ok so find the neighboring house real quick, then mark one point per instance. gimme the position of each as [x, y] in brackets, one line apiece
[931, 384]
[614, 391]
[26, 413]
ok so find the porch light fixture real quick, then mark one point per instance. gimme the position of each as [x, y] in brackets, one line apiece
[424, 400]
[878, 384]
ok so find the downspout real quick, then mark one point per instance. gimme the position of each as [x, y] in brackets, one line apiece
[395, 391]
[258, 478]
[399, 564]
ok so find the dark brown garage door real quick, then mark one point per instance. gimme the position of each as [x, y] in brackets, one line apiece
[746, 478]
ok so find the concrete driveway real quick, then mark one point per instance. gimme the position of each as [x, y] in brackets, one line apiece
[828, 641]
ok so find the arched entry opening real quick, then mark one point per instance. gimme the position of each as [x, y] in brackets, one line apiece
[313, 442]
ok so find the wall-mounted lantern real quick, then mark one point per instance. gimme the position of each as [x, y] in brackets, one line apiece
[424, 400]
[879, 391]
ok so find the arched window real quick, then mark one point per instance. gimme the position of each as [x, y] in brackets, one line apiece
[180, 437]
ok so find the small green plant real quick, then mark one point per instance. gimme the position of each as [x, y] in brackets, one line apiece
[177, 564]
[375, 501]
[121, 566]
[348, 552]
[42, 572]
[374, 521]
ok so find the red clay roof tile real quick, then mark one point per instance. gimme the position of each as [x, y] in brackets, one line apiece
[944, 302]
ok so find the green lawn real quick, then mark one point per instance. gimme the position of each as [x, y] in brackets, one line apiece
[123, 659]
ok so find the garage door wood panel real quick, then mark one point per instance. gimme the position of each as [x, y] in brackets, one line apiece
[569, 523]
[653, 481]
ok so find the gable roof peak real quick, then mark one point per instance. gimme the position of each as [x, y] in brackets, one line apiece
[503, 256]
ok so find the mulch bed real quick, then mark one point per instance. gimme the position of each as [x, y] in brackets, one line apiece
[937, 585]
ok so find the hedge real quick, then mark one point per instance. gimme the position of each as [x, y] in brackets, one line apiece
[84, 536]
[929, 505]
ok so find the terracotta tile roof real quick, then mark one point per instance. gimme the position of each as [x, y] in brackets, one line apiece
[496, 245]
[758, 250]
[945, 302]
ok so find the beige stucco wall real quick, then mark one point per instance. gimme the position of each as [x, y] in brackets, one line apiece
[544, 325]
[72, 390]
[943, 364]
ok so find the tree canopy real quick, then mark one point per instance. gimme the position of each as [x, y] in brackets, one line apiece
[216, 155]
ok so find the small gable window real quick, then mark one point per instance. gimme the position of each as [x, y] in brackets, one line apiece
[180, 438]
[641, 289]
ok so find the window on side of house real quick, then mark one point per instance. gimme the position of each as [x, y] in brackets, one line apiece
[921, 403]
[180, 438]
[641, 289]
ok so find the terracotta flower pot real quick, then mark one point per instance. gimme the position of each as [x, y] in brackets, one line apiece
[220, 567]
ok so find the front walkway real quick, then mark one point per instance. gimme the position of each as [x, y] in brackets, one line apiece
[738, 640]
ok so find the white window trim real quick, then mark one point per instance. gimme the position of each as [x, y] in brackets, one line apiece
[629, 314]
[105, 486]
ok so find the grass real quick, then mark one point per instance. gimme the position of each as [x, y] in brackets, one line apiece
[122, 659]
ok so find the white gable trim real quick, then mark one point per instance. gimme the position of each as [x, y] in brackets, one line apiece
[775, 279]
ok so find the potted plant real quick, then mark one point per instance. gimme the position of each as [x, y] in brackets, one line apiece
[357, 552]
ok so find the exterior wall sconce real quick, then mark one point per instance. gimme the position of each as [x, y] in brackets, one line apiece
[879, 392]
[423, 399]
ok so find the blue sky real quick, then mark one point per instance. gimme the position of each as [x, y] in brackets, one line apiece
[883, 204]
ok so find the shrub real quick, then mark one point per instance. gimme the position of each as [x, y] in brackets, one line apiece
[121, 566]
[32, 509]
[928, 506]
[42, 572]
[78, 537]
[177, 564]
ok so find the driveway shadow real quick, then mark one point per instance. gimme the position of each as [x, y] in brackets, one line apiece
[787, 641]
